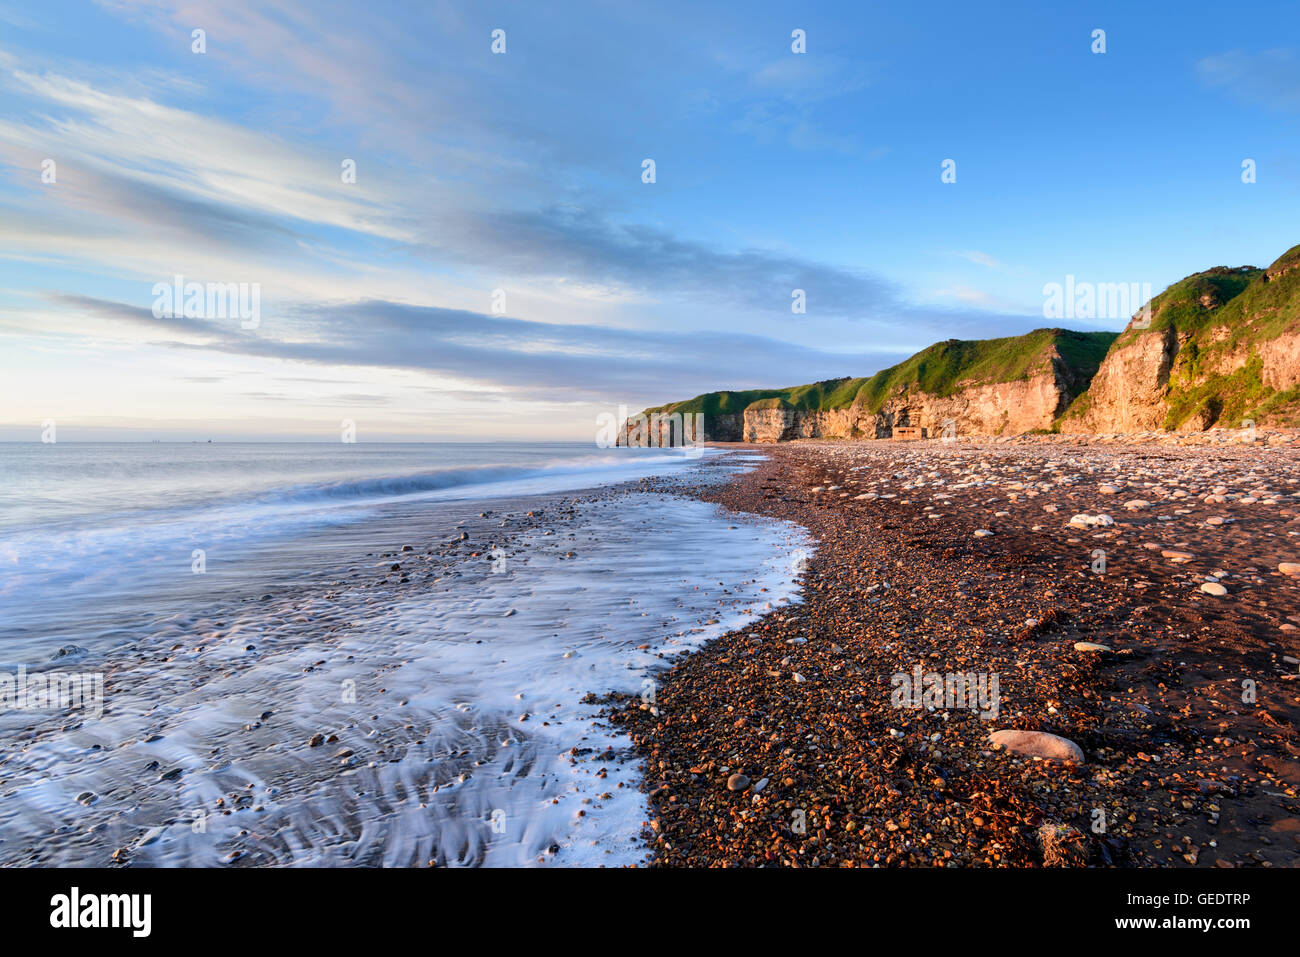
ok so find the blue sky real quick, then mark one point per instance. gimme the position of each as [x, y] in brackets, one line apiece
[522, 172]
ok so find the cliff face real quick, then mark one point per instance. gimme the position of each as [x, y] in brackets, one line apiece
[1222, 350]
[1127, 393]
[989, 387]
[1007, 408]
[995, 409]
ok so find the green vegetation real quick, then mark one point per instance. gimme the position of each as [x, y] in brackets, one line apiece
[948, 367]
[1229, 399]
[1282, 406]
[775, 402]
[941, 369]
[818, 395]
[1191, 303]
[1076, 409]
[1218, 397]
[1234, 306]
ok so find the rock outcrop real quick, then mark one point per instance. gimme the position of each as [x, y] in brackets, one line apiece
[1220, 348]
[1127, 393]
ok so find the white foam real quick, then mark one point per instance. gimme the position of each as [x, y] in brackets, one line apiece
[442, 674]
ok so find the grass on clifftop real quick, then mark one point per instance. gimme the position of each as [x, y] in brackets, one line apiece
[1191, 304]
[947, 367]
[941, 369]
[818, 395]
[1246, 302]
[1219, 316]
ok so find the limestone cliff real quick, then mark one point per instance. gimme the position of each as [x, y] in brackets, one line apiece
[985, 387]
[1220, 348]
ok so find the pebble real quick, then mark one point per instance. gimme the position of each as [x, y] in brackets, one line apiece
[737, 782]
[1039, 744]
[1088, 521]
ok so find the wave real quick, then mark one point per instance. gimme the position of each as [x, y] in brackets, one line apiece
[128, 551]
[439, 480]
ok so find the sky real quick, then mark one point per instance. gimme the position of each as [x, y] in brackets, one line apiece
[499, 267]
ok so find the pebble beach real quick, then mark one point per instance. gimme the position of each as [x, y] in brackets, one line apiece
[1131, 601]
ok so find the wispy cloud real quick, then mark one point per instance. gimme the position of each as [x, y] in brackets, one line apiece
[980, 258]
[1269, 78]
[568, 243]
[177, 190]
[474, 172]
[529, 360]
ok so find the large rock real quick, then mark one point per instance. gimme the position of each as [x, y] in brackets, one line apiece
[1039, 744]
[1091, 646]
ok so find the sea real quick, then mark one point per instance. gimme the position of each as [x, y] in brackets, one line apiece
[351, 654]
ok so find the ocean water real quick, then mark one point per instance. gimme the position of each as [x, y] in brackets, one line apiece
[111, 525]
[292, 699]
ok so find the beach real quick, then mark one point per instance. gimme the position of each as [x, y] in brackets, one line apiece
[778, 655]
[1170, 662]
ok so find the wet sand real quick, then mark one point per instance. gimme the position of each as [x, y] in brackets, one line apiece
[780, 744]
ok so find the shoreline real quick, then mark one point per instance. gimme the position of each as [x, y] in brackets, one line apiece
[407, 706]
[1177, 770]
[794, 696]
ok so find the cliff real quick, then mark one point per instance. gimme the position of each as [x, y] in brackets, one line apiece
[1222, 348]
[983, 387]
